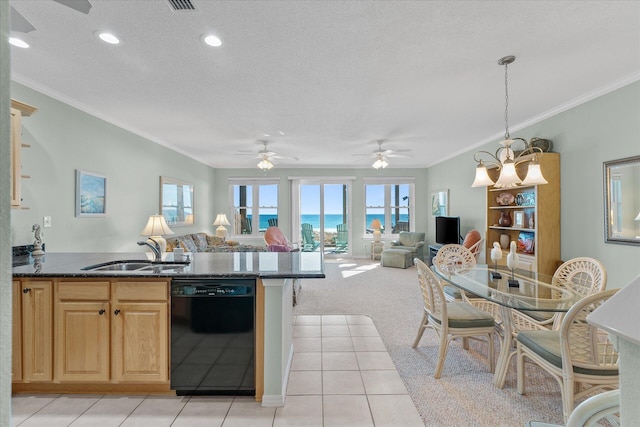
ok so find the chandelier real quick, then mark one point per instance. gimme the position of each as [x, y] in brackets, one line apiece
[504, 158]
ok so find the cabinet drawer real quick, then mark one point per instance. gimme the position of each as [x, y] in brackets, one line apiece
[137, 290]
[83, 291]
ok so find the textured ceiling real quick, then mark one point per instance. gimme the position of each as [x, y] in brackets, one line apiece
[332, 76]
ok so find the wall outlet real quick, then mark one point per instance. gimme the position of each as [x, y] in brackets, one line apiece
[46, 221]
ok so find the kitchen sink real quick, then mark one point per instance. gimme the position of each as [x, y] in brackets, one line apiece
[135, 265]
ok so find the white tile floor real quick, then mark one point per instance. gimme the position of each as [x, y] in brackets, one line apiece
[341, 375]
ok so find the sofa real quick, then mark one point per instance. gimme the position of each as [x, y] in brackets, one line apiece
[411, 241]
[203, 242]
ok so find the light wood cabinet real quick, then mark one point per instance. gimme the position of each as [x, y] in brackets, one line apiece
[110, 335]
[82, 331]
[140, 331]
[538, 234]
[112, 330]
[18, 110]
[37, 330]
[16, 332]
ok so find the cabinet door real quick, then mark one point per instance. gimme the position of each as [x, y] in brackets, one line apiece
[16, 338]
[82, 341]
[140, 348]
[37, 330]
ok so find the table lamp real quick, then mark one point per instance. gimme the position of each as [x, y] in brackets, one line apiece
[156, 228]
[221, 221]
[376, 225]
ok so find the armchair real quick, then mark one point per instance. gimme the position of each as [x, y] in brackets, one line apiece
[410, 241]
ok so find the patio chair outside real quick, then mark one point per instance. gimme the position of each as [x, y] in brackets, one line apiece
[273, 222]
[308, 243]
[341, 237]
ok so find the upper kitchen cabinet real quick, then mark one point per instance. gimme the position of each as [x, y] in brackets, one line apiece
[18, 111]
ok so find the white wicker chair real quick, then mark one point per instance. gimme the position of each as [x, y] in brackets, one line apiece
[578, 354]
[453, 258]
[585, 276]
[450, 319]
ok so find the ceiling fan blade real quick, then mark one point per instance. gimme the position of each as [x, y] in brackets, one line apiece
[19, 23]
[275, 156]
[82, 6]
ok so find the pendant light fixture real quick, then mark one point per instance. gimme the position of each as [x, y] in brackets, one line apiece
[504, 158]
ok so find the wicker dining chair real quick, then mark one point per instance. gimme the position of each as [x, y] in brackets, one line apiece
[450, 319]
[583, 275]
[577, 355]
[453, 258]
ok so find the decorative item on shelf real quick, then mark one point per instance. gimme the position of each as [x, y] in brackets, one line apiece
[505, 219]
[496, 255]
[505, 159]
[505, 199]
[529, 198]
[518, 219]
[156, 228]
[532, 221]
[543, 144]
[526, 242]
[504, 241]
[512, 262]
[519, 199]
[37, 244]
[376, 226]
[221, 221]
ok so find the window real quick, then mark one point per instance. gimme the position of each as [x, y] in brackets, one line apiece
[254, 205]
[391, 203]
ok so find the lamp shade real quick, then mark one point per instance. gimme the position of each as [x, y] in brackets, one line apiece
[482, 177]
[221, 221]
[156, 226]
[508, 177]
[534, 175]
[637, 218]
[376, 225]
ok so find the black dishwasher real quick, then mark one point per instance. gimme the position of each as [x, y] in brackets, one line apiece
[213, 336]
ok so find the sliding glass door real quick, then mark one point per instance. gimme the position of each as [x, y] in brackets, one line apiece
[323, 216]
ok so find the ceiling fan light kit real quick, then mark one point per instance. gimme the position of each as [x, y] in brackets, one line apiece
[504, 158]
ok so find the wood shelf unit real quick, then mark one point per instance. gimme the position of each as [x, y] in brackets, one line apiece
[545, 209]
[18, 111]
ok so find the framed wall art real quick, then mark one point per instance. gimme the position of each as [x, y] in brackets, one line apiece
[440, 203]
[91, 194]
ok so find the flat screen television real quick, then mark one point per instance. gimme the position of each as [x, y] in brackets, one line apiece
[447, 230]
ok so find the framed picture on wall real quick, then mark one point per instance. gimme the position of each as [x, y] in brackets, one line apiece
[440, 203]
[91, 194]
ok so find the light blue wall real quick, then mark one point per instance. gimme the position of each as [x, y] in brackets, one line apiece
[600, 130]
[64, 139]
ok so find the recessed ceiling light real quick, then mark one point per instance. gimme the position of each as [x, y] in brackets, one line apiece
[18, 43]
[108, 37]
[212, 40]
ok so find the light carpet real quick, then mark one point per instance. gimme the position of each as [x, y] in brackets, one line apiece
[465, 394]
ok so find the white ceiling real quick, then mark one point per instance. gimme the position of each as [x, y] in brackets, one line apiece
[333, 76]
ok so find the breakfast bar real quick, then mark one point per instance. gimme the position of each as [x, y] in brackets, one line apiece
[110, 322]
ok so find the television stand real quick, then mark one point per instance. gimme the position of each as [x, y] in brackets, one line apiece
[433, 251]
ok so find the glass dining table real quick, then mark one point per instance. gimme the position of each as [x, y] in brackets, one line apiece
[518, 290]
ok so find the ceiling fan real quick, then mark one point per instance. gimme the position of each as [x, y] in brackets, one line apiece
[266, 156]
[381, 155]
[20, 24]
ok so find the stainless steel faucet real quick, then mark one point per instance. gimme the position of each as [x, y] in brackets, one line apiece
[155, 247]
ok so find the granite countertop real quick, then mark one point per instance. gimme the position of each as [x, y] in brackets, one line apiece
[267, 265]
